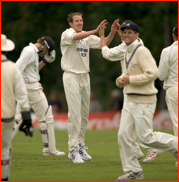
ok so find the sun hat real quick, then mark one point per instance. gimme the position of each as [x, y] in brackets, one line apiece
[6, 44]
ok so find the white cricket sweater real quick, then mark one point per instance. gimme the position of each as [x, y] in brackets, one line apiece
[12, 89]
[142, 70]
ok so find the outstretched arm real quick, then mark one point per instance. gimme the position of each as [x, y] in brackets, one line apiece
[101, 34]
[112, 54]
[114, 27]
[82, 35]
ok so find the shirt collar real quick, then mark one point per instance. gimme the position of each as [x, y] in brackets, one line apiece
[72, 29]
[131, 47]
[175, 43]
[75, 30]
[34, 47]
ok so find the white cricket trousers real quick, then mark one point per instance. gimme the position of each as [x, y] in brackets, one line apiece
[6, 133]
[37, 101]
[172, 104]
[77, 91]
[39, 104]
[136, 121]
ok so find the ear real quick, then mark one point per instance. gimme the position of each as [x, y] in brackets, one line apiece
[70, 23]
[174, 37]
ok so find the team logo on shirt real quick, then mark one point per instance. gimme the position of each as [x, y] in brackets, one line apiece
[82, 51]
[133, 65]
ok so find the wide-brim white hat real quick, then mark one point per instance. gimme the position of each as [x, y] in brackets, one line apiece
[6, 44]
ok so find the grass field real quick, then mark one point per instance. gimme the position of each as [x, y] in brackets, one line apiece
[28, 164]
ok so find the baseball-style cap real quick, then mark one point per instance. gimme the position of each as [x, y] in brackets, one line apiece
[125, 22]
[49, 43]
[175, 30]
[131, 25]
[6, 44]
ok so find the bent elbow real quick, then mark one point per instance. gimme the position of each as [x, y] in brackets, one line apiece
[75, 37]
[162, 77]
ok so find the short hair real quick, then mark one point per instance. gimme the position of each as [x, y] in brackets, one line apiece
[70, 16]
[40, 41]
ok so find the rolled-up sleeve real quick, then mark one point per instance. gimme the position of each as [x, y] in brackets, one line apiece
[67, 37]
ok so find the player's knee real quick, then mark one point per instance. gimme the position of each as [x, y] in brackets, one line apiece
[121, 135]
[49, 116]
[144, 139]
[43, 127]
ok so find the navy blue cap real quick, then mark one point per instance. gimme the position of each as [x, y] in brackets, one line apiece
[127, 21]
[49, 43]
[130, 24]
[175, 30]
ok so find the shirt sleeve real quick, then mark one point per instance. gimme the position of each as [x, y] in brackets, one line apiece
[94, 42]
[21, 91]
[67, 38]
[115, 53]
[163, 65]
[25, 59]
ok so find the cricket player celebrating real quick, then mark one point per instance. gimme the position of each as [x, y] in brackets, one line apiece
[117, 54]
[75, 47]
[138, 77]
[29, 65]
[12, 89]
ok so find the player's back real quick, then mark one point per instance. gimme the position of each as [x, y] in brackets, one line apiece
[8, 73]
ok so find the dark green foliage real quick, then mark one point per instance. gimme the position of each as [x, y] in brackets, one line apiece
[24, 22]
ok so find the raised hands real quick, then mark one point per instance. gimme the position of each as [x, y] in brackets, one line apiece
[103, 23]
[102, 29]
[114, 26]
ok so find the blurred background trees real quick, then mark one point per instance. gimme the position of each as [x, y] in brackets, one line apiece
[25, 22]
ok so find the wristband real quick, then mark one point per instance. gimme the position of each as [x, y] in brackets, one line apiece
[44, 60]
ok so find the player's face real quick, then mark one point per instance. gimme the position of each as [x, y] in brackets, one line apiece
[129, 36]
[77, 23]
[43, 52]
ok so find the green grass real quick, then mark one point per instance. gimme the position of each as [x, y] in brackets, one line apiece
[28, 164]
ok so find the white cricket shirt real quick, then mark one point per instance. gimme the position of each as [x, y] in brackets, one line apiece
[168, 66]
[75, 54]
[28, 63]
[116, 53]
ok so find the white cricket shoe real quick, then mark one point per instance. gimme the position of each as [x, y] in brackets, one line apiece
[131, 175]
[176, 155]
[152, 155]
[138, 153]
[83, 153]
[46, 152]
[176, 164]
[75, 156]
